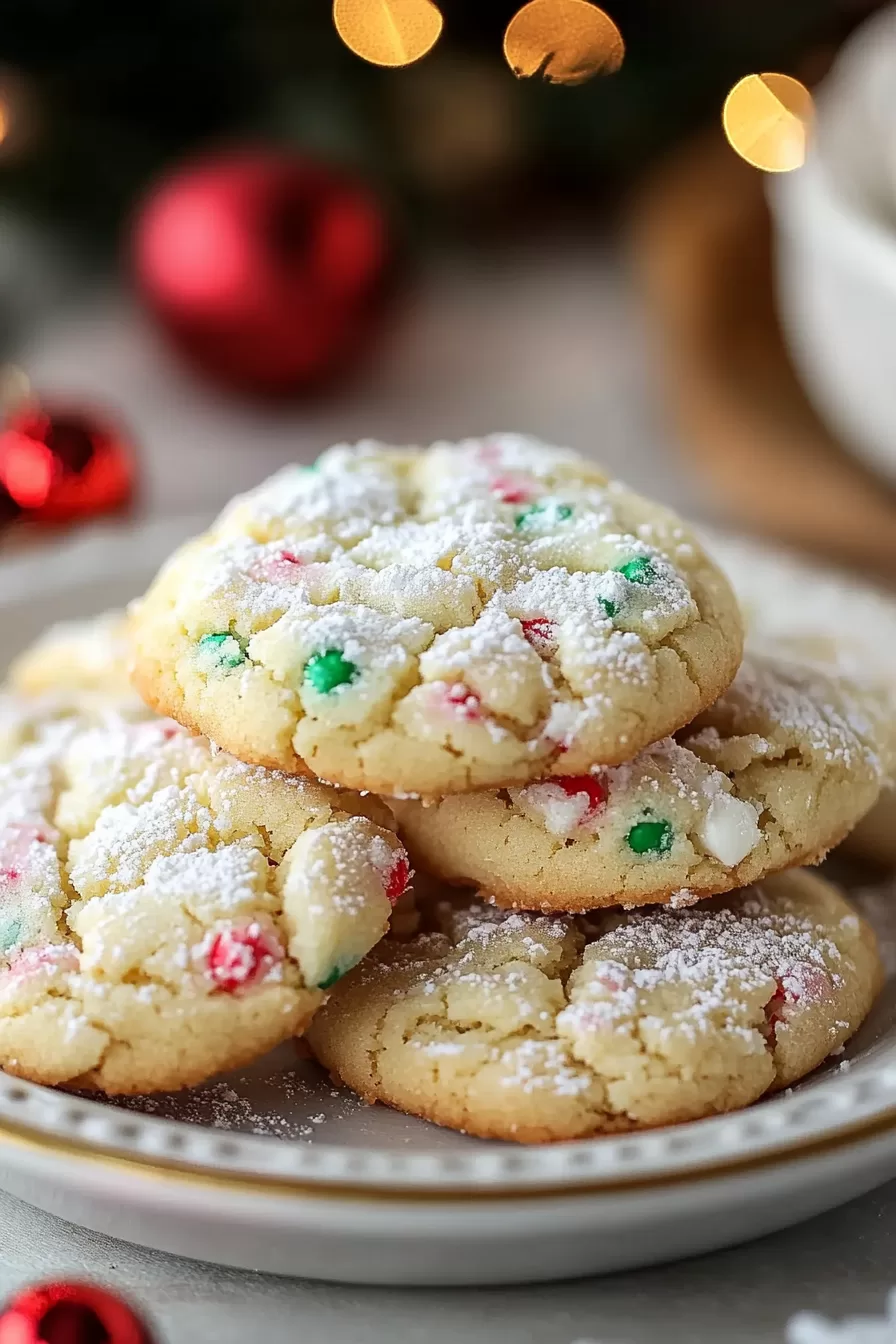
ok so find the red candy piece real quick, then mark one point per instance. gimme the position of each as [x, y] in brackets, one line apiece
[70, 1313]
[47, 957]
[807, 982]
[802, 981]
[285, 566]
[21, 835]
[511, 491]
[282, 567]
[15, 844]
[466, 704]
[774, 1009]
[541, 634]
[397, 878]
[239, 958]
[614, 983]
[592, 785]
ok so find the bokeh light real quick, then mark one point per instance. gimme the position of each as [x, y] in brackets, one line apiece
[388, 32]
[19, 114]
[562, 41]
[768, 119]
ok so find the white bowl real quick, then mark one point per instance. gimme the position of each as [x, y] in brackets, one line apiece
[836, 249]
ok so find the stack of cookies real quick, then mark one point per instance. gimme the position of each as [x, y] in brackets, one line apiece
[489, 661]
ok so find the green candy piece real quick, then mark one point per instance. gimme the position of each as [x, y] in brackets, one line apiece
[638, 570]
[221, 651]
[336, 974]
[609, 607]
[650, 837]
[10, 933]
[327, 671]
[559, 513]
[338, 971]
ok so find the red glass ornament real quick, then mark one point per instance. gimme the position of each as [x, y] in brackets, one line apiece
[264, 268]
[9, 509]
[70, 1313]
[60, 463]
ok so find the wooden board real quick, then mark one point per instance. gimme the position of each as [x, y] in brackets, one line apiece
[702, 245]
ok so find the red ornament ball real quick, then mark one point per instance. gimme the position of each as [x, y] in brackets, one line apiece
[62, 463]
[70, 1313]
[264, 268]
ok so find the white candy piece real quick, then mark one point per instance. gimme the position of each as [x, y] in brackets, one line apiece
[730, 829]
[560, 813]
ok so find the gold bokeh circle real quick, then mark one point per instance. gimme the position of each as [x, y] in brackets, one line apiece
[388, 32]
[767, 119]
[563, 41]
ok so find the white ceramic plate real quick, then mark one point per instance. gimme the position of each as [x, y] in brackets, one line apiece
[275, 1169]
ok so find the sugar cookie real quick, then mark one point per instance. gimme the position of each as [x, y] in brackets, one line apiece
[772, 775]
[167, 912]
[538, 1028]
[88, 655]
[829, 618]
[423, 623]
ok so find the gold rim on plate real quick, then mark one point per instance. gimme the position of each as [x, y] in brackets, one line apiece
[22, 1137]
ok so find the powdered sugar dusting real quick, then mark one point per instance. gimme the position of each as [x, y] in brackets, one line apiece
[290, 1102]
[145, 877]
[406, 570]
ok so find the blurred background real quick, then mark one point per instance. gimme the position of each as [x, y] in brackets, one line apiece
[230, 235]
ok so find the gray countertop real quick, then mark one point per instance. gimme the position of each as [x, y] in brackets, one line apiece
[550, 343]
[840, 1264]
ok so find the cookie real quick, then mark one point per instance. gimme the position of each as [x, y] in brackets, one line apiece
[167, 912]
[76, 669]
[25, 718]
[830, 619]
[424, 623]
[804, 608]
[549, 1027]
[772, 775]
[89, 655]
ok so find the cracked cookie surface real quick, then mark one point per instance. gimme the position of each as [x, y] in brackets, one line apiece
[772, 775]
[425, 623]
[830, 619]
[549, 1027]
[167, 912]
